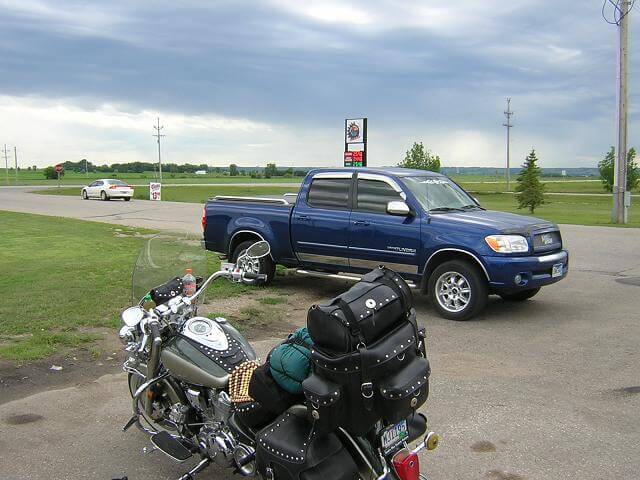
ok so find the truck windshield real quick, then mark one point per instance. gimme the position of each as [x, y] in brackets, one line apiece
[439, 194]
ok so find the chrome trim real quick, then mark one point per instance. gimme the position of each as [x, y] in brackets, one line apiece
[312, 257]
[328, 275]
[246, 231]
[553, 257]
[229, 198]
[332, 175]
[395, 252]
[398, 267]
[461, 251]
[294, 196]
[352, 277]
[313, 244]
[383, 178]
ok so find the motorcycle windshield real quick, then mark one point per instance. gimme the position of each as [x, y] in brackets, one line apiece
[164, 257]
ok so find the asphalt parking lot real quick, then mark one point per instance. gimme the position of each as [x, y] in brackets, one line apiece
[549, 389]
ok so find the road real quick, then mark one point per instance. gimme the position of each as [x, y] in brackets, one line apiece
[548, 389]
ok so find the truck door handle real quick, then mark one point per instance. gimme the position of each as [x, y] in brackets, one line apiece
[303, 218]
[361, 223]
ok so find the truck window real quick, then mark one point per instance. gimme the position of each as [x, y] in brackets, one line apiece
[374, 195]
[329, 193]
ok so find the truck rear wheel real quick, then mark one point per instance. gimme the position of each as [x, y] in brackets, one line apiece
[264, 265]
[457, 290]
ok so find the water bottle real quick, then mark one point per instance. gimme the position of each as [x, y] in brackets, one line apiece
[188, 283]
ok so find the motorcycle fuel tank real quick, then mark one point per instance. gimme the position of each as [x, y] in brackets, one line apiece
[206, 352]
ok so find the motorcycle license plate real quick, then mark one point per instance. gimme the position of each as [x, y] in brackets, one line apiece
[556, 271]
[393, 436]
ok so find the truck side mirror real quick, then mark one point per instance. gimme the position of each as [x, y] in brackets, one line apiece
[398, 208]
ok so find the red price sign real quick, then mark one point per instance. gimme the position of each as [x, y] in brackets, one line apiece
[354, 159]
[58, 168]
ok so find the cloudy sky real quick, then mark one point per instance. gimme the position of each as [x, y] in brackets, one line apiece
[272, 81]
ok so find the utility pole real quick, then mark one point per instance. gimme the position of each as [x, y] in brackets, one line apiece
[15, 160]
[6, 163]
[508, 113]
[158, 135]
[621, 198]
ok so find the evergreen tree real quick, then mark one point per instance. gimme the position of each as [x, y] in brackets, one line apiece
[420, 158]
[607, 169]
[233, 170]
[530, 192]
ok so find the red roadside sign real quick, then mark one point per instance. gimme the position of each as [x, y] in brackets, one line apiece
[58, 168]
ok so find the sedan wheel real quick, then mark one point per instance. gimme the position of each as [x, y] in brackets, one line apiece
[84, 195]
[103, 195]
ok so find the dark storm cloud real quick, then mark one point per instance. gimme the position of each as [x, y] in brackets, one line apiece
[274, 62]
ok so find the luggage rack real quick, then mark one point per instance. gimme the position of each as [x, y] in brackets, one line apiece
[340, 276]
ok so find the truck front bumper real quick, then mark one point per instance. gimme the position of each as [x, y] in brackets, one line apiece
[510, 274]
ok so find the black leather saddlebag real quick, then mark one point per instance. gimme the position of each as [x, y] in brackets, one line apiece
[362, 315]
[289, 449]
[386, 381]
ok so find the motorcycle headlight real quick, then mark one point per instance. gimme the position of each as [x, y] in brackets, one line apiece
[507, 243]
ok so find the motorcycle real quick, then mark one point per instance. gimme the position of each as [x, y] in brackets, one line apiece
[179, 365]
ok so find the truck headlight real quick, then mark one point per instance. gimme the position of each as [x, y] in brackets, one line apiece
[507, 243]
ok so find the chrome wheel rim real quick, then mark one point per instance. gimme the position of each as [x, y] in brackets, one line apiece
[453, 292]
[248, 264]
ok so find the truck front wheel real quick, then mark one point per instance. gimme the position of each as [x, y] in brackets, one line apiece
[457, 289]
[264, 265]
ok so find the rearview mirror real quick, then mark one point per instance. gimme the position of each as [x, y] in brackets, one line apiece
[258, 250]
[398, 208]
[132, 316]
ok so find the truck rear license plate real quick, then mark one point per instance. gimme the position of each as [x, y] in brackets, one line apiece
[394, 436]
[556, 271]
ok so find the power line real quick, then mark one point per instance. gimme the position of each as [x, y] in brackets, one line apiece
[158, 135]
[618, 13]
[6, 163]
[508, 113]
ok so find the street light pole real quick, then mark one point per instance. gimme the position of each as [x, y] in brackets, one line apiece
[6, 163]
[15, 160]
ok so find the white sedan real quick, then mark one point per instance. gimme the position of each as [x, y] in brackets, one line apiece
[106, 189]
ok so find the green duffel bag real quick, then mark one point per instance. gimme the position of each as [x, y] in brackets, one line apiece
[289, 361]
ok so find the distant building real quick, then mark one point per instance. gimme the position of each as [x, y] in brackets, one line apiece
[200, 172]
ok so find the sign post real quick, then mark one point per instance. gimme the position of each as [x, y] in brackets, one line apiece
[58, 171]
[355, 133]
[155, 191]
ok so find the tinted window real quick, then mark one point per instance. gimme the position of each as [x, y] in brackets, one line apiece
[329, 193]
[118, 182]
[98, 183]
[373, 196]
[93, 184]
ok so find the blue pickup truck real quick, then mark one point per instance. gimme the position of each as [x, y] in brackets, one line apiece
[421, 224]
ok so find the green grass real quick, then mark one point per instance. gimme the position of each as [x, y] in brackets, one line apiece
[570, 209]
[62, 278]
[197, 194]
[554, 186]
[26, 177]
[272, 300]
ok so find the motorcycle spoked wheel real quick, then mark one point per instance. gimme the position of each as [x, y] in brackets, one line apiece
[163, 396]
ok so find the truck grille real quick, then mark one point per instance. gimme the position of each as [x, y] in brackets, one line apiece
[547, 241]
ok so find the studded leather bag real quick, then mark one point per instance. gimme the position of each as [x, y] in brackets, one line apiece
[367, 311]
